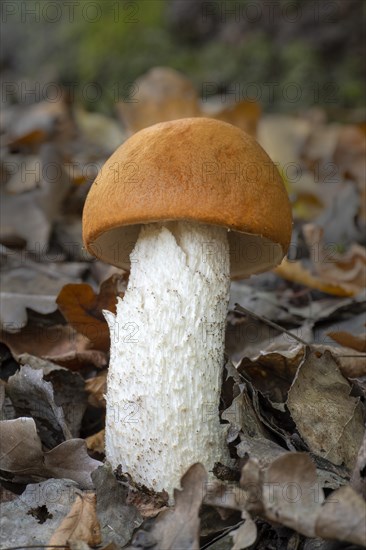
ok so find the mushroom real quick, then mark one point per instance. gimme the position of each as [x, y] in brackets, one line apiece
[182, 204]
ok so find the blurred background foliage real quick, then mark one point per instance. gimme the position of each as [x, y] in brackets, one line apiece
[261, 46]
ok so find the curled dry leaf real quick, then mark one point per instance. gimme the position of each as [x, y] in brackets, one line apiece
[30, 216]
[178, 528]
[348, 340]
[342, 517]
[25, 174]
[347, 269]
[24, 461]
[32, 396]
[287, 492]
[95, 442]
[338, 221]
[102, 131]
[160, 94]
[148, 502]
[351, 363]
[58, 343]
[27, 284]
[282, 137]
[78, 545]
[81, 523]
[83, 309]
[14, 306]
[263, 450]
[118, 518]
[245, 535]
[97, 388]
[226, 495]
[244, 114]
[350, 157]
[272, 372]
[334, 273]
[295, 272]
[242, 416]
[334, 427]
[35, 123]
[68, 388]
[290, 492]
[358, 479]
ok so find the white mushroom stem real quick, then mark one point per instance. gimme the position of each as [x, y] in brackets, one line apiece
[167, 354]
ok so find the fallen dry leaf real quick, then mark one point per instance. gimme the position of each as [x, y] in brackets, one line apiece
[81, 523]
[357, 342]
[27, 284]
[338, 218]
[82, 308]
[60, 344]
[347, 269]
[333, 428]
[148, 502]
[95, 442]
[295, 271]
[351, 363]
[118, 519]
[272, 372]
[35, 123]
[244, 114]
[30, 216]
[178, 528]
[159, 95]
[25, 174]
[287, 492]
[358, 478]
[68, 388]
[32, 517]
[104, 132]
[24, 461]
[97, 388]
[283, 137]
[242, 416]
[245, 535]
[78, 545]
[32, 396]
[342, 517]
[23, 277]
[261, 449]
[319, 148]
[349, 156]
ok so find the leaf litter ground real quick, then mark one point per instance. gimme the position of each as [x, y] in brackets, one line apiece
[293, 393]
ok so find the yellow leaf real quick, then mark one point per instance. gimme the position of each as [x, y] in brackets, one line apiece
[81, 523]
[95, 442]
[295, 272]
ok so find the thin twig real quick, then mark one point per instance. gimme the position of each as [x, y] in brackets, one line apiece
[360, 355]
[246, 311]
[221, 535]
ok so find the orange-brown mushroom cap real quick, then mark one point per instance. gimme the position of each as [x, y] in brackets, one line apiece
[194, 169]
